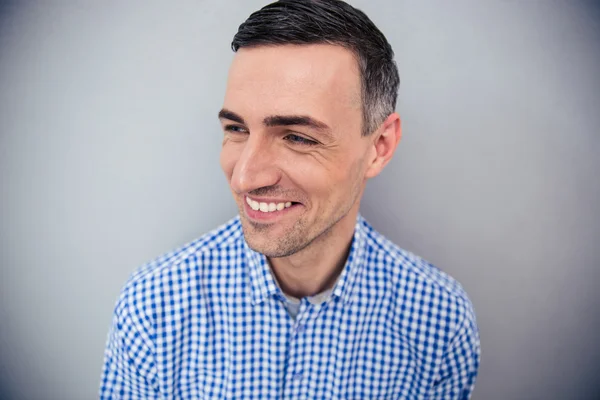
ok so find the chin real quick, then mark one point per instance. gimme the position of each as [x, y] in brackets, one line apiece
[265, 244]
[267, 249]
[257, 237]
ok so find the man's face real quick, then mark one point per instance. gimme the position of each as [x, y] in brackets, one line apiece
[292, 151]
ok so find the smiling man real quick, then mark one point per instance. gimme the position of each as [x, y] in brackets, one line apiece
[298, 297]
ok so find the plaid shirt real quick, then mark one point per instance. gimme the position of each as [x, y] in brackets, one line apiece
[207, 321]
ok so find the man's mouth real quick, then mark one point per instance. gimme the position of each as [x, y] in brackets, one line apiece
[268, 210]
[267, 207]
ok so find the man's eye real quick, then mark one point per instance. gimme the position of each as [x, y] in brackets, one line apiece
[235, 129]
[299, 140]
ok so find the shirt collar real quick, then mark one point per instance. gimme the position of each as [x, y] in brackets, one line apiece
[262, 283]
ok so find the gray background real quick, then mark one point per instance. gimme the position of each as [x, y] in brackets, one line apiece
[109, 157]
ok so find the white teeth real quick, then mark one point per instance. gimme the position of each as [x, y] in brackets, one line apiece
[267, 207]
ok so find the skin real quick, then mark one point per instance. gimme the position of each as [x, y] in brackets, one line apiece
[320, 162]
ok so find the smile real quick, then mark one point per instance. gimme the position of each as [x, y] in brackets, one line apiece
[267, 207]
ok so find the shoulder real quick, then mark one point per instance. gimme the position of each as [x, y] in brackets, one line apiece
[170, 271]
[423, 295]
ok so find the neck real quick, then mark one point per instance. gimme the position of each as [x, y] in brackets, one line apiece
[316, 267]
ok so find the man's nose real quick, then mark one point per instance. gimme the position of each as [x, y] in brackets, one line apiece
[257, 165]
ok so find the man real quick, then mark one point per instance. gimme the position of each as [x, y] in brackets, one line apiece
[298, 297]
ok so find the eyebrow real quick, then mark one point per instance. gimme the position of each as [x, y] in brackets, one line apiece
[281, 120]
[230, 115]
[301, 120]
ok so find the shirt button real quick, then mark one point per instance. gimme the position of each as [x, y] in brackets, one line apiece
[298, 375]
[300, 329]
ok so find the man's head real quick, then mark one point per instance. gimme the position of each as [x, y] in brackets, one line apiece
[308, 117]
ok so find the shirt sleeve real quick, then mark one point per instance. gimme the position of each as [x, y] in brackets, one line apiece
[129, 370]
[458, 371]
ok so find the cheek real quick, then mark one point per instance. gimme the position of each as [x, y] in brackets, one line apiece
[346, 178]
[325, 180]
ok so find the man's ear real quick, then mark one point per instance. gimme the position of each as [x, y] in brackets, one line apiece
[385, 141]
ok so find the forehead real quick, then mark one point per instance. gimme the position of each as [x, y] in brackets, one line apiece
[309, 79]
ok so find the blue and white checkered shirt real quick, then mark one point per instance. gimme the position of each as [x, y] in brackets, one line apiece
[207, 322]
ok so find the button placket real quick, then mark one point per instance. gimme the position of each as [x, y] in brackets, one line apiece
[302, 317]
[300, 328]
[296, 360]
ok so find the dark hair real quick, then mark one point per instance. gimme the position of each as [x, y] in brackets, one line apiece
[338, 23]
